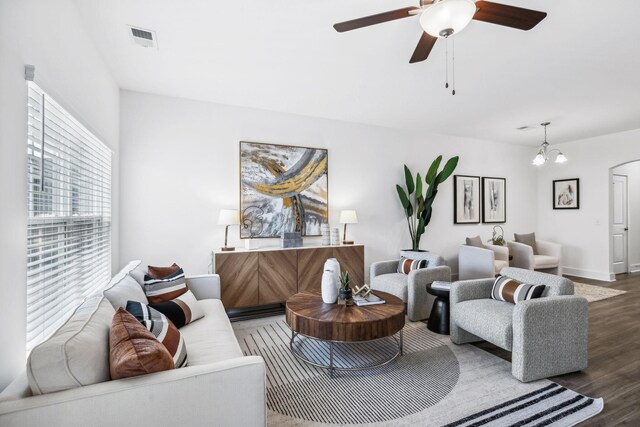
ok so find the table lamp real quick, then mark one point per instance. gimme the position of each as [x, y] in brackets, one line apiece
[347, 217]
[228, 217]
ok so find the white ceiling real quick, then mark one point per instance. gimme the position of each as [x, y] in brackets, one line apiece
[579, 68]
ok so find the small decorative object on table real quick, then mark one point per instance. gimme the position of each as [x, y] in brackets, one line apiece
[362, 291]
[330, 280]
[370, 299]
[497, 238]
[291, 240]
[325, 232]
[335, 236]
[345, 290]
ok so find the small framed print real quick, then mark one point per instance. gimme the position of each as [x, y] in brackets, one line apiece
[566, 193]
[494, 200]
[466, 203]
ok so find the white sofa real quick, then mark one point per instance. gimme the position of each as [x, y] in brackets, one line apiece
[219, 386]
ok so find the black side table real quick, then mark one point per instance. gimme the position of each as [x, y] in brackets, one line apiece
[439, 317]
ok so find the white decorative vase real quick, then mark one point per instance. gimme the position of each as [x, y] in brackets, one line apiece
[330, 281]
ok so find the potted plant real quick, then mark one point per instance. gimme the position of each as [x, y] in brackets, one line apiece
[345, 289]
[418, 206]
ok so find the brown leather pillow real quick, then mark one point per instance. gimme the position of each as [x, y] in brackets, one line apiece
[527, 239]
[161, 272]
[133, 349]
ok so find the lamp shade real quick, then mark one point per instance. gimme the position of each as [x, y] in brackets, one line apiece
[228, 217]
[447, 17]
[348, 217]
[561, 158]
[539, 160]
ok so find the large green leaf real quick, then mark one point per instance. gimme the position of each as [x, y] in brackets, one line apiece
[421, 226]
[433, 170]
[409, 180]
[427, 218]
[403, 197]
[418, 185]
[448, 169]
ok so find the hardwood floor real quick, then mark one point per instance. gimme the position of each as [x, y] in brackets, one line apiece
[614, 354]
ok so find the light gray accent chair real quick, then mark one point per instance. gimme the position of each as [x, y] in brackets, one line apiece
[547, 336]
[548, 258]
[410, 288]
[481, 262]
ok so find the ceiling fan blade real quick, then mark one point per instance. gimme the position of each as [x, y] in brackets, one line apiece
[423, 49]
[509, 16]
[374, 19]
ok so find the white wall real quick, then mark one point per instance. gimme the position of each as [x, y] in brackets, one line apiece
[632, 171]
[50, 36]
[180, 165]
[584, 233]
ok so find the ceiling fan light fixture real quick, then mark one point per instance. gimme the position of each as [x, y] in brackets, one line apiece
[447, 17]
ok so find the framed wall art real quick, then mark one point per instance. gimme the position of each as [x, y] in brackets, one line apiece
[566, 193]
[283, 188]
[494, 200]
[466, 203]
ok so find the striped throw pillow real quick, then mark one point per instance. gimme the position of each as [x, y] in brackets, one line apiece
[165, 289]
[513, 291]
[162, 328]
[181, 310]
[407, 265]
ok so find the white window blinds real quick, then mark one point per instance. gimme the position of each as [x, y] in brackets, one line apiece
[69, 223]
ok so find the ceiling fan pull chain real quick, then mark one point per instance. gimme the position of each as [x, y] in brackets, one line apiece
[453, 66]
[446, 63]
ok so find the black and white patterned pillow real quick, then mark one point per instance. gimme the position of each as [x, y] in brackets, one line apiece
[181, 310]
[407, 265]
[510, 290]
[162, 328]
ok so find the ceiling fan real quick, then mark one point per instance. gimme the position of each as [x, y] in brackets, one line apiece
[443, 18]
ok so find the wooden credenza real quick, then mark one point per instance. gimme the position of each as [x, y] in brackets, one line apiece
[251, 278]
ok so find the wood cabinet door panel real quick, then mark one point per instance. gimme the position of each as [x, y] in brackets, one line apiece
[277, 276]
[310, 267]
[351, 259]
[238, 279]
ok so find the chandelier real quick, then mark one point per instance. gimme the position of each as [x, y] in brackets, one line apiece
[543, 154]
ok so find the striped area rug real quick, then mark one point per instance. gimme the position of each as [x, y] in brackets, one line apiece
[435, 383]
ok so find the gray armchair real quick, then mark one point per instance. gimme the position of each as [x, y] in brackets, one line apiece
[410, 288]
[547, 336]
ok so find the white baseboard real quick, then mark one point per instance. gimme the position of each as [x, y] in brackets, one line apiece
[589, 274]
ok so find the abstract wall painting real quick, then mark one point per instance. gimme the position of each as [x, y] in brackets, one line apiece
[494, 200]
[566, 193]
[466, 207]
[283, 188]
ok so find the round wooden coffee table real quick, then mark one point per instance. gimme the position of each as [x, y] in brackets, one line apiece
[335, 324]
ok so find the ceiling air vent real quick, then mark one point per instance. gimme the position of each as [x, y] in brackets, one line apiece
[142, 37]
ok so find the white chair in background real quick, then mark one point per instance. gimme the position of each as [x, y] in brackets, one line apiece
[547, 257]
[476, 262]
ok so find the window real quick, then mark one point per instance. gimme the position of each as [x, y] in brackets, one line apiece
[69, 218]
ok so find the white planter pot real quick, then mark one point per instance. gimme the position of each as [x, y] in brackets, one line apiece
[416, 254]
